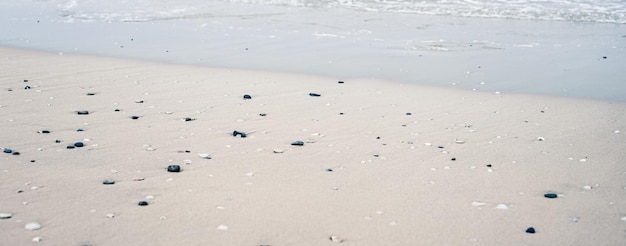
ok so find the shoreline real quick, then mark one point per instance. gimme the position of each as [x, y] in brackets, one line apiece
[381, 163]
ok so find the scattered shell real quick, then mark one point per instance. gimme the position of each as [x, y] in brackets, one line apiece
[502, 206]
[583, 159]
[110, 216]
[204, 155]
[478, 204]
[5, 216]
[32, 226]
[460, 141]
[541, 139]
[587, 187]
[222, 228]
[37, 239]
[278, 151]
[336, 239]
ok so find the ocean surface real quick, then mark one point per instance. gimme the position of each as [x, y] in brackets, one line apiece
[574, 48]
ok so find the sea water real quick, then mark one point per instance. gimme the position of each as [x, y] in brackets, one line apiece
[555, 47]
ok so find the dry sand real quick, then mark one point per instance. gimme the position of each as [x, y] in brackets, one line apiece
[390, 148]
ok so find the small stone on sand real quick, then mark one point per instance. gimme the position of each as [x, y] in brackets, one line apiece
[5, 216]
[173, 168]
[82, 112]
[32, 226]
[530, 230]
[335, 239]
[297, 143]
[222, 228]
[314, 95]
[142, 203]
[550, 195]
[278, 151]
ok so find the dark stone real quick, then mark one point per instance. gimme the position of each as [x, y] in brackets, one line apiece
[314, 94]
[57, 141]
[134, 117]
[340, 82]
[489, 165]
[454, 159]
[329, 169]
[377, 137]
[16, 153]
[27, 87]
[108, 182]
[79, 144]
[604, 57]
[441, 147]
[91, 94]
[263, 114]
[139, 101]
[25, 80]
[32, 160]
[117, 110]
[340, 113]
[530, 230]
[188, 119]
[187, 151]
[45, 131]
[7, 150]
[550, 195]
[80, 130]
[142, 203]
[408, 114]
[297, 143]
[173, 168]
[82, 112]
[246, 97]
[70, 146]
[240, 134]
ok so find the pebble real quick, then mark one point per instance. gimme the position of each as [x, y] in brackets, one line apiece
[297, 143]
[32, 226]
[240, 134]
[173, 168]
[278, 151]
[530, 230]
[340, 82]
[502, 206]
[142, 203]
[5, 216]
[134, 117]
[478, 204]
[222, 228]
[44, 131]
[70, 146]
[550, 195]
[541, 139]
[587, 187]
[79, 144]
[204, 156]
[16, 153]
[108, 182]
[314, 94]
[188, 119]
[7, 150]
[82, 112]
[37, 239]
[247, 97]
[110, 216]
[460, 141]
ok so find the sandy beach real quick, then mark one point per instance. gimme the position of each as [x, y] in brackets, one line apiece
[379, 162]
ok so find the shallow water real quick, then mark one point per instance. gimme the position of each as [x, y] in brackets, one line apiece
[345, 39]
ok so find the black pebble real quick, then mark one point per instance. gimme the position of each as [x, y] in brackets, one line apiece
[117, 110]
[340, 113]
[441, 147]
[173, 168]
[188, 119]
[45, 131]
[297, 143]
[246, 96]
[82, 112]
[376, 155]
[79, 130]
[604, 57]
[489, 165]
[25, 80]
[454, 159]
[79, 144]
[340, 82]
[142, 203]
[329, 169]
[377, 137]
[108, 182]
[27, 87]
[91, 94]
[57, 141]
[16, 153]
[263, 114]
[134, 117]
[238, 133]
[408, 114]
[314, 94]
[7, 150]
[32, 160]
[530, 230]
[70, 146]
[550, 195]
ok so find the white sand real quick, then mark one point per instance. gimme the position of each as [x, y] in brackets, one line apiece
[395, 190]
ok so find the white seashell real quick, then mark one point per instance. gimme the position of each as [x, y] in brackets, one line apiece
[502, 206]
[37, 239]
[32, 226]
[222, 228]
[336, 239]
[278, 151]
[5, 215]
[204, 155]
[478, 204]
[110, 216]
[587, 187]
[460, 141]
